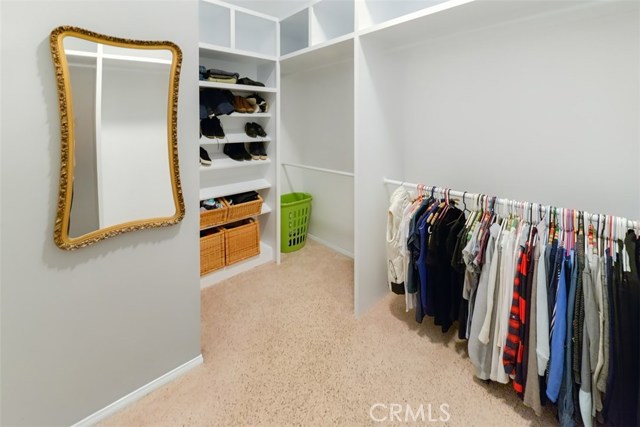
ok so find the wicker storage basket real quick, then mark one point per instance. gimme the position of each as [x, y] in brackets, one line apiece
[244, 210]
[242, 240]
[214, 216]
[212, 253]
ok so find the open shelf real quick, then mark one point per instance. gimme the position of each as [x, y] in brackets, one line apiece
[223, 162]
[233, 138]
[266, 255]
[227, 54]
[331, 19]
[255, 34]
[333, 51]
[238, 88]
[378, 12]
[453, 16]
[215, 24]
[294, 32]
[235, 188]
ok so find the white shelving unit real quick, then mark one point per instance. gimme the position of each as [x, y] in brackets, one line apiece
[238, 40]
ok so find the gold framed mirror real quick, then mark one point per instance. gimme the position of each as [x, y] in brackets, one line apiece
[118, 102]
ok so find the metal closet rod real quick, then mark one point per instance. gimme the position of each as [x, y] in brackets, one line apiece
[509, 202]
[313, 168]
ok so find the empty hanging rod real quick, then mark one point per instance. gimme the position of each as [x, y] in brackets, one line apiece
[503, 202]
[313, 168]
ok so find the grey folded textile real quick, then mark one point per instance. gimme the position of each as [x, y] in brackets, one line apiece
[221, 74]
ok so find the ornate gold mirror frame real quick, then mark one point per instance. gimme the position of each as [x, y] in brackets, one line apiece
[62, 237]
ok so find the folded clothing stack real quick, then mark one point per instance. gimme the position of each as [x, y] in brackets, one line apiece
[215, 102]
[247, 81]
[215, 75]
[210, 204]
[236, 199]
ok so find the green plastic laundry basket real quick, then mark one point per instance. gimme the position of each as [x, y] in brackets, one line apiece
[296, 209]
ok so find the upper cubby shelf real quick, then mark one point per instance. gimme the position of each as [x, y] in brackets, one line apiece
[317, 25]
[237, 88]
[373, 13]
[294, 32]
[446, 18]
[333, 51]
[331, 19]
[238, 29]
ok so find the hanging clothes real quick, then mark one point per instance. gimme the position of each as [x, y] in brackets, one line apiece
[479, 351]
[551, 308]
[399, 200]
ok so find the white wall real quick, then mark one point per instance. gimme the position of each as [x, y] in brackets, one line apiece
[82, 329]
[543, 111]
[317, 130]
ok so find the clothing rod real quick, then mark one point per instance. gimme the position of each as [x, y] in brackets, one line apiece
[504, 202]
[313, 168]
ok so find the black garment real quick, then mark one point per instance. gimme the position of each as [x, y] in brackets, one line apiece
[456, 279]
[457, 263]
[236, 199]
[624, 391]
[413, 245]
[638, 336]
[215, 102]
[578, 325]
[439, 265]
[612, 313]
[422, 231]
[553, 270]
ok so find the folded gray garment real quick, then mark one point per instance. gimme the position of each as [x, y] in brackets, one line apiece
[230, 80]
[212, 72]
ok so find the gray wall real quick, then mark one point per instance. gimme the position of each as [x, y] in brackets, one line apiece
[81, 329]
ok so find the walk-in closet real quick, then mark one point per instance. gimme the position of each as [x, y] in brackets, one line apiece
[465, 249]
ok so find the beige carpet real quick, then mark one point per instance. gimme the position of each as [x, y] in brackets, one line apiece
[281, 348]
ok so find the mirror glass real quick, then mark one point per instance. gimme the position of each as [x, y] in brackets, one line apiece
[122, 171]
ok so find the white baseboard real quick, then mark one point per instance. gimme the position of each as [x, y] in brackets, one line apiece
[330, 245]
[127, 400]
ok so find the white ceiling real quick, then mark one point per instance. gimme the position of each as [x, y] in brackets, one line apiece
[277, 8]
